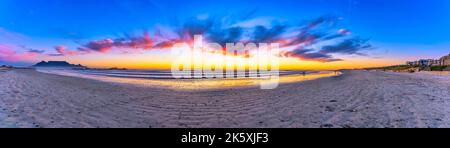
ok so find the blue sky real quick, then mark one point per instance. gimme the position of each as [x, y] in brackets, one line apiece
[415, 27]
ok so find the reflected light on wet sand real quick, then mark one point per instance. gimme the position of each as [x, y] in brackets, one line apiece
[198, 84]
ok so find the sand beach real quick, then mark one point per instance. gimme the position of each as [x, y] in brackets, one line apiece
[353, 99]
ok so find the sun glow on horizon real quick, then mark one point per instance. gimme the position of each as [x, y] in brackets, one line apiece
[164, 62]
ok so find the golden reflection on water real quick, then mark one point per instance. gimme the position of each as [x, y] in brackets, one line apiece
[203, 84]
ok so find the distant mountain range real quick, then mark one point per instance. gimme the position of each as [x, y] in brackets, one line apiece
[58, 64]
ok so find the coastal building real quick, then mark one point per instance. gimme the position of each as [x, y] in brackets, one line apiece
[445, 61]
[436, 63]
[423, 62]
[409, 63]
[412, 63]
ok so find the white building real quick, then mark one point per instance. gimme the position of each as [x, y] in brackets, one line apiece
[444, 61]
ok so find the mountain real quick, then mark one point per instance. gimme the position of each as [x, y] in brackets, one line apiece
[57, 64]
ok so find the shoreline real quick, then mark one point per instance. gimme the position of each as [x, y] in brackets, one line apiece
[196, 84]
[355, 99]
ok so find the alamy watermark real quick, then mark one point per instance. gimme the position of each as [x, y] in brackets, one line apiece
[204, 60]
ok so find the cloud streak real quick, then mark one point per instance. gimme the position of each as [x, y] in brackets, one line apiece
[351, 46]
[310, 55]
[106, 45]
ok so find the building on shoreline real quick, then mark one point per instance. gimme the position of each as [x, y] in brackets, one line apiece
[444, 61]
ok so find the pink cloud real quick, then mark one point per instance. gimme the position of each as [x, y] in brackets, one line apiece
[62, 50]
[106, 45]
[9, 55]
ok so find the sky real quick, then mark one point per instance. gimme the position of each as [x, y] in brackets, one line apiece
[314, 34]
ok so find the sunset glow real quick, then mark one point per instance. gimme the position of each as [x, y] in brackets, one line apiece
[324, 39]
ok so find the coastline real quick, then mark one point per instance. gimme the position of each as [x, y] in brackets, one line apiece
[355, 99]
[194, 84]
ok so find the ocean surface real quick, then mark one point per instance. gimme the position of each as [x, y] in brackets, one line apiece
[141, 74]
[164, 78]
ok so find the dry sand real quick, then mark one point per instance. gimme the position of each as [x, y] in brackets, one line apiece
[355, 99]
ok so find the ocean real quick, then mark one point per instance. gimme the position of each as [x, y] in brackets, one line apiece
[164, 78]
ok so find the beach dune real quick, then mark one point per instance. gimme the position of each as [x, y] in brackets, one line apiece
[354, 99]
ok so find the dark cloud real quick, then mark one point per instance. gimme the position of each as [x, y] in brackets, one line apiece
[328, 20]
[212, 30]
[310, 55]
[32, 50]
[101, 45]
[266, 35]
[317, 30]
[36, 51]
[351, 46]
[222, 31]
[230, 35]
[348, 46]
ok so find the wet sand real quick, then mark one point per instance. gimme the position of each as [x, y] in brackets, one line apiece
[354, 99]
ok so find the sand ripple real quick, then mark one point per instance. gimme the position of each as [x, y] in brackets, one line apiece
[355, 99]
